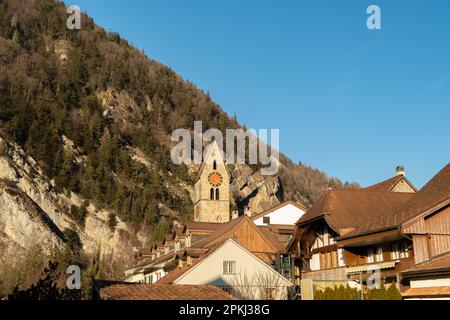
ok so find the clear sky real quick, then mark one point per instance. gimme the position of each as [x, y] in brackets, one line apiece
[350, 101]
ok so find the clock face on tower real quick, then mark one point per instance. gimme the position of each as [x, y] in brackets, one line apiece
[215, 179]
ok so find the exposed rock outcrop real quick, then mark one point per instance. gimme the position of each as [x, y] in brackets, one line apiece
[33, 212]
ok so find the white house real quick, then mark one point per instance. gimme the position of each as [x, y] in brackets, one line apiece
[286, 213]
[237, 270]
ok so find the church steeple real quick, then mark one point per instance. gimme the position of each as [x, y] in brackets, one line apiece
[212, 190]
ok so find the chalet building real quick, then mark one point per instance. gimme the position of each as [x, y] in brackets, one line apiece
[410, 237]
[316, 249]
[390, 227]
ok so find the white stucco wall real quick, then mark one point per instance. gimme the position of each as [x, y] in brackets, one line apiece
[314, 262]
[288, 214]
[249, 271]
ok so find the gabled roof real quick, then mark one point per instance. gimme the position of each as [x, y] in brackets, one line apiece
[213, 146]
[178, 273]
[226, 231]
[110, 290]
[345, 208]
[272, 237]
[173, 275]
[281, 205]
[389, 184]
[202, 226]
[436, 191]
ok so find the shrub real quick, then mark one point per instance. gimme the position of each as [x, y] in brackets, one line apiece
[337, 293]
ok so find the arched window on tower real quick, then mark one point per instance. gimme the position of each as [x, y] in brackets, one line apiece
[214, 165]
[217, 194]
[211, 194]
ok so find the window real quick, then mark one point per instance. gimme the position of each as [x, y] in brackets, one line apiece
[379, 256]
[404, 250]
[370, 255]
[229, 267]
[217, 194]
[288, 238]
[266, 220]
[211, 194]
[395, 251]
[214, 165]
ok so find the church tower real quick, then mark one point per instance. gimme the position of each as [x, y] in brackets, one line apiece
[212, 188]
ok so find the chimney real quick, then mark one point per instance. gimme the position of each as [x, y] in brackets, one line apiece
[247, 211]
[400, 170]
[234, 214]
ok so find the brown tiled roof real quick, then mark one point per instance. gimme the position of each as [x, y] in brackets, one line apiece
[282, 227]
[273, 238]
[223, 232]
[440, 263]
[195, 252]
[433, 193]
[202, 226]
[281, 205]
[226, 231]
[427, 292]
[140, 291]
[147, 261]
[345, 208]
[173, 275]
[388, 184]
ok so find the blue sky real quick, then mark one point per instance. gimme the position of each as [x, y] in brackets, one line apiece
[350, 101]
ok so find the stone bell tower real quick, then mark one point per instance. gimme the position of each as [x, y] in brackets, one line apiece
[212, 188]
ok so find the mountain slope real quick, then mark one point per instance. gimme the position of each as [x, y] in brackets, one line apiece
[91, 118]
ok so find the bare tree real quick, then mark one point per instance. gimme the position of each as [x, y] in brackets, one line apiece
[261, 286]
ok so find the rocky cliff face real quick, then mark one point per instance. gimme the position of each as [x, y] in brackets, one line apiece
[253, 191]
[33, 212]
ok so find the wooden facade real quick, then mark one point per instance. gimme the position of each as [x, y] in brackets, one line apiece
[430, 233]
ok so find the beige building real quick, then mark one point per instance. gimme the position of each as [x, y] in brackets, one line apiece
[235, 269]
[212, 188]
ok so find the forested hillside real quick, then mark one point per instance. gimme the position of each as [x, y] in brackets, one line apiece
[97, 114]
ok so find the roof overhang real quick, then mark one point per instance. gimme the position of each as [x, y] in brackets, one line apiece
[370, 238]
